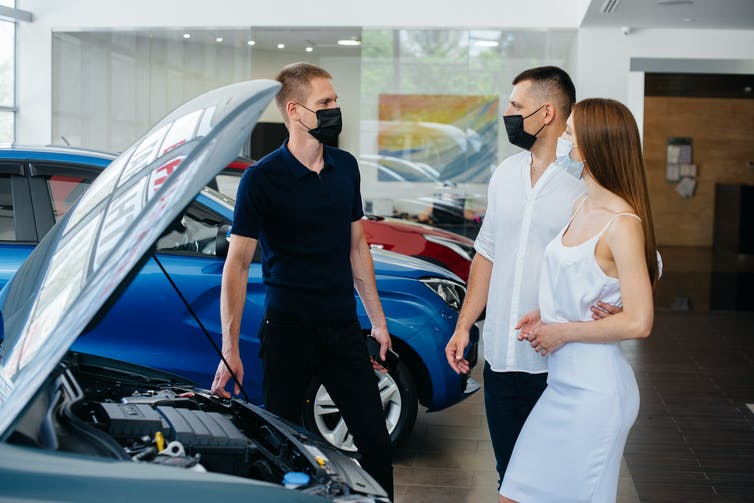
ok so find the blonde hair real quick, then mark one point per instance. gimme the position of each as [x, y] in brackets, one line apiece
[296, 83]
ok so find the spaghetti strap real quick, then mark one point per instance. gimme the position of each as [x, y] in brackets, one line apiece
[613, 219]
[578, 208]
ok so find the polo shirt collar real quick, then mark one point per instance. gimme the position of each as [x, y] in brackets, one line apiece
[298, 170]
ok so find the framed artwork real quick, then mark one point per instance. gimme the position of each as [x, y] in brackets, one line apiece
[437, 138]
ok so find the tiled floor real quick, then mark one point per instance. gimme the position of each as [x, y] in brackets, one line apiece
[448, 458]
[693, 440]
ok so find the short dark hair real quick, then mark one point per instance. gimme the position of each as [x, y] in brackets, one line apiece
[296, 83]
[551, 82]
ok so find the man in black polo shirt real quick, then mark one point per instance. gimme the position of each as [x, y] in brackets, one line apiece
[302, 203]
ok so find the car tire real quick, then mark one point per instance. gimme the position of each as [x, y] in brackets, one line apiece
[399, 400]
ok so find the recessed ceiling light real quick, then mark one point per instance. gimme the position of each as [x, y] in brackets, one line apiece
[675, 2]
[688, 20]
[251, 42]
[219, 39]
[349, 41]
[309, 49]
[486, 43]
[187, 35]
[281, 46]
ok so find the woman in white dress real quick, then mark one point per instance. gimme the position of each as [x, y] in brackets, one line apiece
[571, 445]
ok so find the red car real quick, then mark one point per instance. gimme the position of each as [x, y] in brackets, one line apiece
[446, 249]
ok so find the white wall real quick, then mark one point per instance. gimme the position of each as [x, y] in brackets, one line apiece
[604, 56]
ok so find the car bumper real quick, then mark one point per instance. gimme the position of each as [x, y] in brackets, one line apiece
[453, 388]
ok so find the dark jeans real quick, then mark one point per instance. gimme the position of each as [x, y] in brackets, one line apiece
[294, 350]
[509, 397]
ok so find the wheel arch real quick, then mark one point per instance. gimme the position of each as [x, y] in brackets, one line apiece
[418, 369]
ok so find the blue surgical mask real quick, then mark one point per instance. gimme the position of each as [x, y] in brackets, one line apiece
[564, 159]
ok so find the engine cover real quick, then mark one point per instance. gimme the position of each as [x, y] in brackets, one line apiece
[222, 446]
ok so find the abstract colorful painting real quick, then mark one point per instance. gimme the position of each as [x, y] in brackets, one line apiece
[438, 138]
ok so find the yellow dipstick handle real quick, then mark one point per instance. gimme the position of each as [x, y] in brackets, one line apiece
[159, 439]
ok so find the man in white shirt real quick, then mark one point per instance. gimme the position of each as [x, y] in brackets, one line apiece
[530, 199]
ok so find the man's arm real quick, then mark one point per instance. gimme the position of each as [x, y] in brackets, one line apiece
[473, 305]
[366, 285]
[232, 299]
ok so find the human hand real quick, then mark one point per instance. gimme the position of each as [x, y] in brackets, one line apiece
[454, 351]
[602, 310]
[527, 320]
[544, 338]
[383, 337]
[222, 375]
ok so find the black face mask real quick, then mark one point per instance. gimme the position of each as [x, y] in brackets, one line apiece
[514, 126]
[329, 124]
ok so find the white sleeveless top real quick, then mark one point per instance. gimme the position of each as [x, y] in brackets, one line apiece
[572, 280]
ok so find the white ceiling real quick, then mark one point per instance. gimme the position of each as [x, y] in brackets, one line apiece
[637, 14]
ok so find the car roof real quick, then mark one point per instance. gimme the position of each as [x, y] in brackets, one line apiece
[55, 153]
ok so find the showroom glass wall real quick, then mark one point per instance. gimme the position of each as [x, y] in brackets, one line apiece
[7, 77]
[426, 103]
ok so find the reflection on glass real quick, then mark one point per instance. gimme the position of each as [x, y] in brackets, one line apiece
[7, 222]
[7, 120]
[135, 78]
[428, 102]
[431, 102]
[7, 63]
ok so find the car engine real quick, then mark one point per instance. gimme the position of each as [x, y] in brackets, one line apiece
[92, 407]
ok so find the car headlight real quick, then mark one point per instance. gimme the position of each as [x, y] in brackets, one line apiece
[462, 250]
[450, 291]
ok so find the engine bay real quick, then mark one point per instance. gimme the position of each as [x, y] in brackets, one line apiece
[116, 412]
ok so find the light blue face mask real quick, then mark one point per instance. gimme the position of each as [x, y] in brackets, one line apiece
[563, 158]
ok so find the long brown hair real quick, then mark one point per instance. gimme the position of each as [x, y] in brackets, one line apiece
[608, 138]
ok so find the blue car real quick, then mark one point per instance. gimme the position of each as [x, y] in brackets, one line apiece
[79, 427]
[168, 317]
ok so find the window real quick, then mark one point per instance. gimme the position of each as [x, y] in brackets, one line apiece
[7, 80]
[227, 184]
[64, 191]
[194, 232]
[7, 126]
[7, 222]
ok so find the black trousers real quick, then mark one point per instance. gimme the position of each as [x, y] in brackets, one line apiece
[509, 397]
[294, 350]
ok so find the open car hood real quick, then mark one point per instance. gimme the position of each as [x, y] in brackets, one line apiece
[94, 249]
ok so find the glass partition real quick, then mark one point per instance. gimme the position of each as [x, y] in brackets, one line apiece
[431, 102]
[7, 78]
[421, 108]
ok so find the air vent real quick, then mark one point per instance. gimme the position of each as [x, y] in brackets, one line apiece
[675, 2]
[609, 6]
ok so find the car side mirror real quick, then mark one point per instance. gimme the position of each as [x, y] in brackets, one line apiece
[222, 241]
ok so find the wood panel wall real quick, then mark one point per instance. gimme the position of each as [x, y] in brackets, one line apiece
[723, 148]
